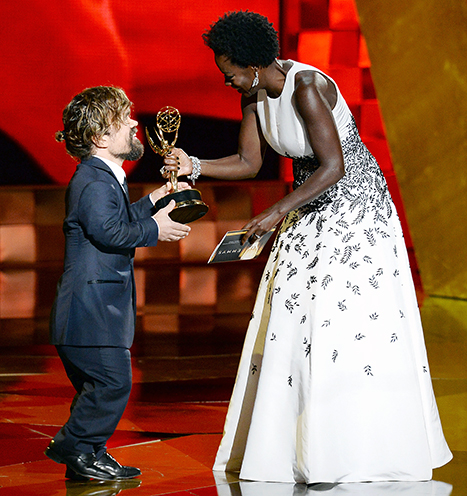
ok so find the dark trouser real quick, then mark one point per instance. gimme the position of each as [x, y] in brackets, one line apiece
[102, 379]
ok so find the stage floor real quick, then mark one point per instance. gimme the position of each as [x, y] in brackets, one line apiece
[173, 423]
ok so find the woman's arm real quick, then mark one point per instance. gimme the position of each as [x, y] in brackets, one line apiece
[243, 165]
[313, 95]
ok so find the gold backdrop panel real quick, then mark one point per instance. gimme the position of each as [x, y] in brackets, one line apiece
[418, 50]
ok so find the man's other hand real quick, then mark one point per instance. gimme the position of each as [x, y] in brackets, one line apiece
[168, 229]
[159, 193]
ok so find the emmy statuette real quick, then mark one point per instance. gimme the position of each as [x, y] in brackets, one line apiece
[189, 205]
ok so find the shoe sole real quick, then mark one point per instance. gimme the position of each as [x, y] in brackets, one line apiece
[72, 475]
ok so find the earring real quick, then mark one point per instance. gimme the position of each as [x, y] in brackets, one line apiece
[256, 80]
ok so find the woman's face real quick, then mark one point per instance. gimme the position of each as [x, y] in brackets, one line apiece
[237, 77]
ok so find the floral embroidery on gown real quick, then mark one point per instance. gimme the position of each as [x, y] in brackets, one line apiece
[333, 383]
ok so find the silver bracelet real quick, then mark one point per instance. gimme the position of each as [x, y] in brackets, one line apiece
[196, 170]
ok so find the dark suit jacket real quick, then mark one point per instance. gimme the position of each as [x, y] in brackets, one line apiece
[95, 304]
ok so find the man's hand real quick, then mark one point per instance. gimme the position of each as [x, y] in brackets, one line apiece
[159, 193]
[168, 229]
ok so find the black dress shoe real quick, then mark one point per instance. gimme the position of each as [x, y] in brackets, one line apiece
[130, 472]
[84, 464]
[108, 463]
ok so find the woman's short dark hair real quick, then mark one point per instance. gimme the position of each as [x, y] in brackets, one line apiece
[246, 38]
[89, 116]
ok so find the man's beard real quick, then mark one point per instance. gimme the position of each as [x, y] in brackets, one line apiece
[136, 150]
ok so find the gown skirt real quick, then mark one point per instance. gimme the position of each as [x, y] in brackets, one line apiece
[333, 383]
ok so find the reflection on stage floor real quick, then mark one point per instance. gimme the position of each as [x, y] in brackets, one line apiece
[173, 423]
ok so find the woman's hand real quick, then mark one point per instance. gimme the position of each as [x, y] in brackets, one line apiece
[159, 193]
[177, 161]
[261, 224]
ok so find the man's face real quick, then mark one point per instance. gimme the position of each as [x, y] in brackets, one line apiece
[123, 142]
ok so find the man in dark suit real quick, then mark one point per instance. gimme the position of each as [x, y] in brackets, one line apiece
[93, 317]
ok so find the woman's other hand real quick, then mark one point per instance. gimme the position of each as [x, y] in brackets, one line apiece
[261, 224]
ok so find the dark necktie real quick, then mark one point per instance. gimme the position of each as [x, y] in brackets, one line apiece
[125, 187]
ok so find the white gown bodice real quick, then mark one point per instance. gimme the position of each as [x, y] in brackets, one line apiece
[281, 124]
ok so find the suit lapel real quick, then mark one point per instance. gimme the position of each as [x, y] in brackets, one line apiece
[99, 164]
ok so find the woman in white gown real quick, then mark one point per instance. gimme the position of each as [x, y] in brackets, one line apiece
[333, 383]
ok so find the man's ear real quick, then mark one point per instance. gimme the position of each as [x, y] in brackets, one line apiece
[101, 141]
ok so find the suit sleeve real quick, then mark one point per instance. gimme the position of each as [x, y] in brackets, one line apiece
[142, 208]
[104, 217]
